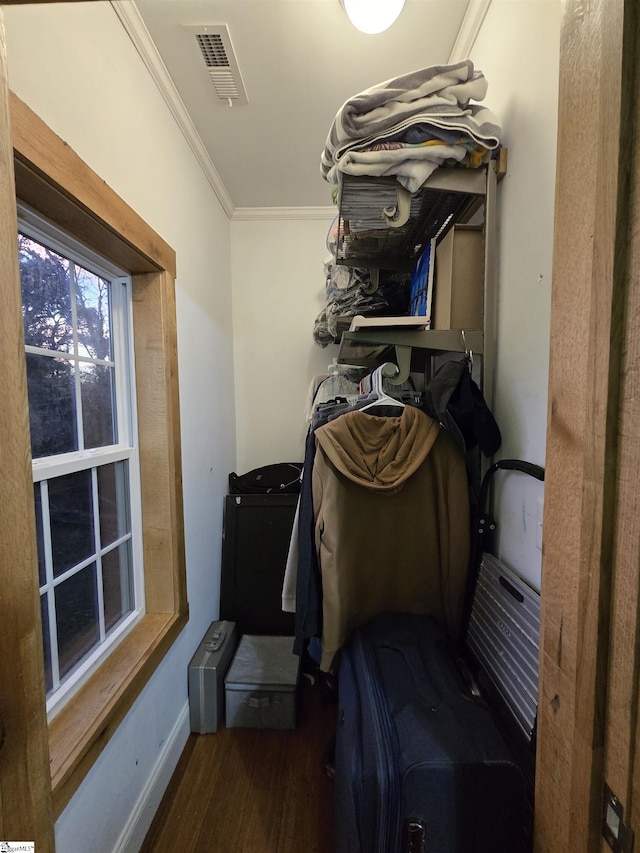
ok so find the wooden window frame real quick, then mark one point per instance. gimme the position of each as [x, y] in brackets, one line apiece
[55, 182]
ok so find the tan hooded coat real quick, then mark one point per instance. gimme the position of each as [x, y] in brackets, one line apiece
[391, 511]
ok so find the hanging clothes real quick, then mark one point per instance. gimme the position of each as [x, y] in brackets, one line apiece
[391, 521]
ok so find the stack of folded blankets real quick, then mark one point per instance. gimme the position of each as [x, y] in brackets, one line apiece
[408, 126]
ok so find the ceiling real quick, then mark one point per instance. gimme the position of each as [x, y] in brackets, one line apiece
[299, 60]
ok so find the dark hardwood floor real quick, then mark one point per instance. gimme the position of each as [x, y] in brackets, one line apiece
[253, 790]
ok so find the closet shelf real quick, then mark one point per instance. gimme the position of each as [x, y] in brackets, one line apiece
[373, 347]
[369, 237]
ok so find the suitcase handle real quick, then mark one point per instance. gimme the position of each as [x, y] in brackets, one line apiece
[519, 597]
[415, 836]
[216, 641]
[529, 468]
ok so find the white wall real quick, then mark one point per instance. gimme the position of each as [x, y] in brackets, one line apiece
[518, 51]
[73, 64]
[278, 291]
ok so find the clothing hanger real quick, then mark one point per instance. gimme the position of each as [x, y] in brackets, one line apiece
[382, 398]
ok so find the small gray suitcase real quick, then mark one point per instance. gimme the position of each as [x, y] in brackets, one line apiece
[206, 676]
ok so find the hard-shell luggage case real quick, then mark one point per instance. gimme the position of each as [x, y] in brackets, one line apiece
[207, 670]
[501, 641]
[420, 763]
[503, 638]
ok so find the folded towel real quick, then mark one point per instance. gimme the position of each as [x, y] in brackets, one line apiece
[410, 166]
[439, 96]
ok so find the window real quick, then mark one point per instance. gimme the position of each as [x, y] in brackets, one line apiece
[53, 181]
[77, 329]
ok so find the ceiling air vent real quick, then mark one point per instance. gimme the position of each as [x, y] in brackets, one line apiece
[214, 43]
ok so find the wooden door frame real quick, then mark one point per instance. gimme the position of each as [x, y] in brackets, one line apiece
[597, 103]
[621, 764]
[25, 784]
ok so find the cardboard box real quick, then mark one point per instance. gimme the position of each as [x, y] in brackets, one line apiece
[261, 684]
[458, 299]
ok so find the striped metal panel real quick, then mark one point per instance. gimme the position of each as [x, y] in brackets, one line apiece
[504, 631]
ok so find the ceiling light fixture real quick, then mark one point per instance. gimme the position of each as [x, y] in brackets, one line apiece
[372, 16]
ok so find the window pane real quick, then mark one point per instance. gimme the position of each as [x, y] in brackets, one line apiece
[37, 497]
[77, 615]
[52, 409]
[46, 643]
[113, 502]
[98, 405]
[92, 310]
[46, 297]
[71, 513]
[117, 584]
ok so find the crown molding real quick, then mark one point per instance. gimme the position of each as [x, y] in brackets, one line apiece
[275, 213]
[131, 20]
[469, 29]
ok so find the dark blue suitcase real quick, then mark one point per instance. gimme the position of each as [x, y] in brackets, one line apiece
[420, 764]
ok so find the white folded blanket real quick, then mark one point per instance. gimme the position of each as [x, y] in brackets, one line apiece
[438, 96]
[411, 167]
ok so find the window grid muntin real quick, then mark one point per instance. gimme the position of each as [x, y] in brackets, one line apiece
[54, 353]
[81, 564]
[51, 603]
[98, 551]
[35, 227]
[76, 372]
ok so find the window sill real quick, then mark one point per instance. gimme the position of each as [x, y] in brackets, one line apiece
[83, 727]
